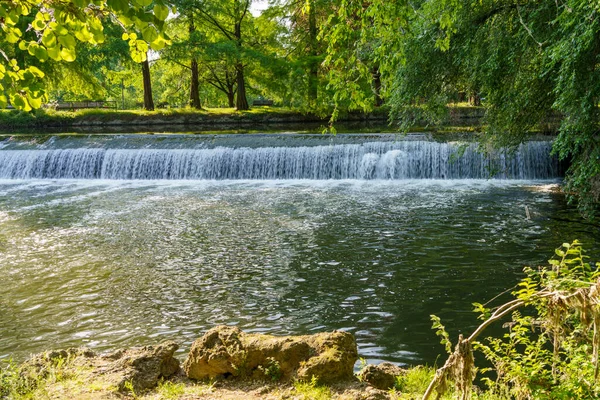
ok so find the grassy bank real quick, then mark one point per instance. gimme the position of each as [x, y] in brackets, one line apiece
[66, 379]
[215, 118]
[10, 119]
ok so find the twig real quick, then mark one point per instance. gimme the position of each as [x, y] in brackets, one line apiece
[464, 344]
[527, 28]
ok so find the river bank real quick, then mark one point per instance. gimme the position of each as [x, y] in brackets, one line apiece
[263, 118]
[225, 363]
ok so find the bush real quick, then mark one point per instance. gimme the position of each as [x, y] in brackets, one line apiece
[552, 346]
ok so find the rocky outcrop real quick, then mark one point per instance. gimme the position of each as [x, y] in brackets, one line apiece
[227, 351]
[136, 369]
[382, 376]
[139, 369]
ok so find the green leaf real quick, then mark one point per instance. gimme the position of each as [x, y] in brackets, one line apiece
[158, 44]
[67, 41]
[54, 53]
[13, 35]
[34, 102]
[38, 25]
[141, 46]
[12, 18]
[84, 35]
[138, 56]
[67, 54]
[19, 102]
[58, 29]
[49, 39]
[118, 5]
[149, 34]
[161, 12]
[3, 101]
[31, 48]
[36, 72]
[144, 3]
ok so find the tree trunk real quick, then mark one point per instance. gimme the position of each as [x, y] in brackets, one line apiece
[377, 86]
[195, 87]
[313, 70]
[148, 102]
[241, 102]
[231, 97]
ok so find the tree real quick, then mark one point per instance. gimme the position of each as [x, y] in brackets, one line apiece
[304, 47]
[364, 49]
[226, 18]
[531, 62]
[50, 30]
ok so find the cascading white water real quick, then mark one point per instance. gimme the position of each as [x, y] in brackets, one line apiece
[408, 159]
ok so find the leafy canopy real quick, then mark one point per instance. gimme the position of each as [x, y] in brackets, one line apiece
[50, 29]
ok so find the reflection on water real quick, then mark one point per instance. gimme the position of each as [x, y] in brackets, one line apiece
[110, 264]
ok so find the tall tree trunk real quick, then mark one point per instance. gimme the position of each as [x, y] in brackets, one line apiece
[148, 102]
[313, 70]
[377, 86]
[195, 87]
[195, 84]
[231, 97]
[241, 102]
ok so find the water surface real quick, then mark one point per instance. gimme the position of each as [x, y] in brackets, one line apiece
[108, 264]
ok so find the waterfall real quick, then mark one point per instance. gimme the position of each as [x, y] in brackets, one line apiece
[409, 159]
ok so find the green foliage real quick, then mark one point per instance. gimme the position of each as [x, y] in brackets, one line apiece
[534, 65]
[552, 346]
[272, 370]
[49, 31]
[440, 330]
[312, 390]
[552, 350]
[30, 381]
[415, 380]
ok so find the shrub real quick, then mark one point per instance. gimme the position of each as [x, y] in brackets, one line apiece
[552, 346]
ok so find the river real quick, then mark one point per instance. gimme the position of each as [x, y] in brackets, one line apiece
[113, 241]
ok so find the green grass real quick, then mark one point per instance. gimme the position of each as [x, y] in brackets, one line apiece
[65, 379]
[48, 117]
[312, 391]
[11, 119]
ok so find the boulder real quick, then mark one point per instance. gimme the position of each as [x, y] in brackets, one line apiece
[227, 351]
[382, 376]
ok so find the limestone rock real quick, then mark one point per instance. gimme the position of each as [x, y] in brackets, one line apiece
[142, 367]
[382, 376]
[227, 351]
[134, 369]
[39, 364]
